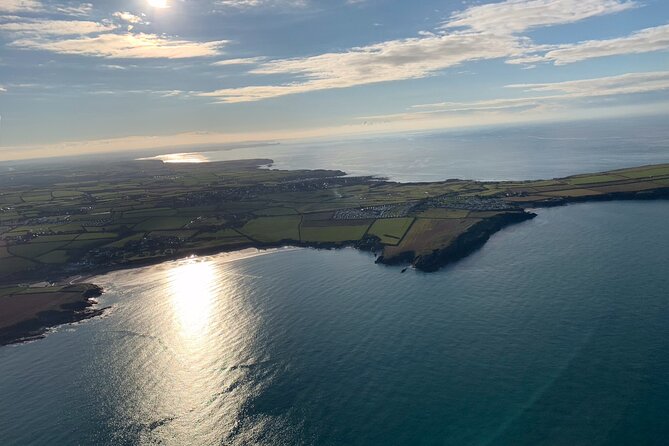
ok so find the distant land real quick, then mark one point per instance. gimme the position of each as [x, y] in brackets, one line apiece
[56, 223]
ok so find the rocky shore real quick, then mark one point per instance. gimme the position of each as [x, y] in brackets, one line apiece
[462, 246]
[27, 315]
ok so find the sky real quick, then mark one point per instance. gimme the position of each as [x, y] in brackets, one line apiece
[119, 75]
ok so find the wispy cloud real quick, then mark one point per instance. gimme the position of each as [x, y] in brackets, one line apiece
[421, 117]
[15, 6]
[387, 61]
[56, 27]
[128, 17]
[643, 41]
[561, 92]
[123, 46]
[101, 39]
[239, 61]
[605, 86]
[515, 16]
[478, 33]
[248, 4]
[81, 10]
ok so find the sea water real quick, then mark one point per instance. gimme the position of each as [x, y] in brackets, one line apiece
[532, 152]
[555, 332]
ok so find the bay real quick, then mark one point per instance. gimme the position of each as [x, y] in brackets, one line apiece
[555, 332]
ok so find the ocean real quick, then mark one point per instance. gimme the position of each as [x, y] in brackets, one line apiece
[539, 151]
[555, 332]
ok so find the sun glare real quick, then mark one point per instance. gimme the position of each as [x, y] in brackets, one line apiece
[158, 3]
[192, 287]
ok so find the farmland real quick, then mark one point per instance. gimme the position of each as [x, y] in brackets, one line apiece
[65, 219]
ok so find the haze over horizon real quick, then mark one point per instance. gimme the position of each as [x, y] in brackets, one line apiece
[138, 74]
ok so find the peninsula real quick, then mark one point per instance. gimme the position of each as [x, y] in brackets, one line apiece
[60, 221]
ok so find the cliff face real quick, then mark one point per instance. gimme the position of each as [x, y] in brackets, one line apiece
[478, 234]
[28, 315]
[463, 245]
[652, 194]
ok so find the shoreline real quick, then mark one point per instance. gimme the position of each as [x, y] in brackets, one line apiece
[69, 305]
[466, 245]
[26, 313]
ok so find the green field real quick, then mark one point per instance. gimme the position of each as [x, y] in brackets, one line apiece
[273, 229]
[444, 213]
[66, 194]
[122, 242]
[269, 212]
[13, 265]
[97, 236]
[33, 250]
[335, 234]
[391, 230]
[162, 223]
[426, 234]
[183, 234]
[90, 213]
[149, 213]
[221, 233]
[57, 256]
[651, 172]
[593, 179]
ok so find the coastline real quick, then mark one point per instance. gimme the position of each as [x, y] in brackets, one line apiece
[475, 237]
[28, 315]
[467, 242]
[27, 312]
[462, 246]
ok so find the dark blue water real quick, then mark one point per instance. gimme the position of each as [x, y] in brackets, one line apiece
[555, 333]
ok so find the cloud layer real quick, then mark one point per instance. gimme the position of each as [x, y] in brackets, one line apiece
[115, 37]
[484, 32]
[560, 92]
[643, 41]
[15, 6]
[515, 16]
[124, 46]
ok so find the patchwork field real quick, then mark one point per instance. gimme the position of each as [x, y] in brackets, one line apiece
[427, 235]
[91, 216]
[391, 230]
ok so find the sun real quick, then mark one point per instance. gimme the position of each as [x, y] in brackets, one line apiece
[158, 3]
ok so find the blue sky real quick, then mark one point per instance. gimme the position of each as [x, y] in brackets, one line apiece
[134, 74]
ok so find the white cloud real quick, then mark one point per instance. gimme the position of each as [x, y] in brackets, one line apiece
[489, 113]
[113, 67]
[244, 4]
[20, 6]
[83, 9]
[56, 27]
[561, 93]
[101, 39]
[242, 61]
[128, 17]
[513, 16]
[643, 41]
[123, 46]
[605, 86]
[478, 33]
[388, 61]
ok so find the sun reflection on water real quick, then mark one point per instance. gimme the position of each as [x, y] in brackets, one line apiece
[191, 362]
[192, 286]
[179, 158]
